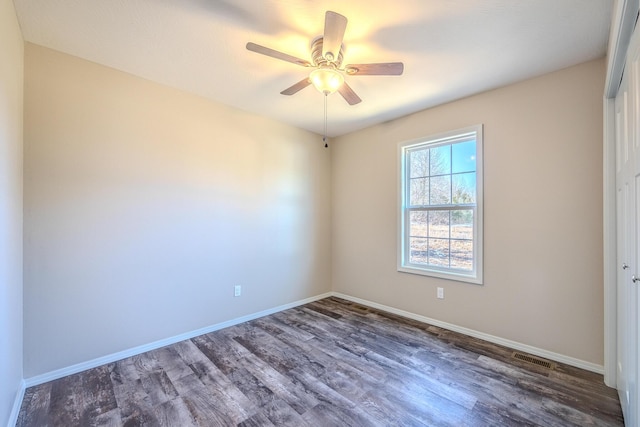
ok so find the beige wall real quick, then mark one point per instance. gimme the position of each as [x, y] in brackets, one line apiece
[145, 205]
[542, 214]
[11, 101]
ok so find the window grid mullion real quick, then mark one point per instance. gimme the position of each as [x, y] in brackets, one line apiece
[459, 207]
[451, 177]
[440, 175]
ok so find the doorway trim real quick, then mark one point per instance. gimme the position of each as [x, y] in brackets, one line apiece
[623, 21]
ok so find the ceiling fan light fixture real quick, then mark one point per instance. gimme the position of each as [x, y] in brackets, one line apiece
[326, 80]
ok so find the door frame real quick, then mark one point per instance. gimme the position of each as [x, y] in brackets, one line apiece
[623, 22]
[610, 245]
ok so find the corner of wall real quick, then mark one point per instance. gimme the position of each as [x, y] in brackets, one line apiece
[11, 213]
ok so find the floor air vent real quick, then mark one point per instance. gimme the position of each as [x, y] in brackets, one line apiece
[533, 359]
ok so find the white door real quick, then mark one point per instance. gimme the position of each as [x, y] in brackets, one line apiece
[627, 108]
[623, 249]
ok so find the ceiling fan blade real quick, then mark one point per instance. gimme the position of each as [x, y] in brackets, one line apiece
[383, 69]
[348, 94]
[297, 87]
[334, 27]
[276, 54]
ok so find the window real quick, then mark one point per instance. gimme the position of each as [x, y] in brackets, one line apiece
[440, 203]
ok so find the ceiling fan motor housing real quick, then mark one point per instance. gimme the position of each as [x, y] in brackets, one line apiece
[319, 60]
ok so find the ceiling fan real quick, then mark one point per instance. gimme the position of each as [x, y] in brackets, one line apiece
[326, 60]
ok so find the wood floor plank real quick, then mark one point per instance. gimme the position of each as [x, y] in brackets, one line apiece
[327, 363]
[346, 378]
[203, 406]
[219, 385]
[281, 414]
[110, 418]
[285, 328]
[172, 365]
[327, 415]
[577, 393]
[35, 409]
[332, 403]
[257, 420]
[276, 353]
[174, 413]
[77, 399]
[256, 391]
[293, 394]
[123, 371]
[133, 402]
[569, 416]
[423, 393]
[159, 387]
[222, 352]
[496, 414]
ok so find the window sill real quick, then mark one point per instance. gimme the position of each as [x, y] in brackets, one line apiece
[458, 277]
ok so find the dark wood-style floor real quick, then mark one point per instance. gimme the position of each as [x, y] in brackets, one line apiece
[327, 363]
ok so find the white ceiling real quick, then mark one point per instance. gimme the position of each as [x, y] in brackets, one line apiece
[450, 48]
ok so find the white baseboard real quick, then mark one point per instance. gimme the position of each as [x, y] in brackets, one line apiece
[578, 363]
[15, 410]
[74, 369]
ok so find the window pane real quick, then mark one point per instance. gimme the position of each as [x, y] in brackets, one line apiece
[439, 224]
[439, 252]
[464, 188]
[464, 157]
[462, 224]
[417, 250]
[441, 190]
[441, 205]
[462, 254]
[441, 160]
[419, 192]
[419, 163]
[418, 224]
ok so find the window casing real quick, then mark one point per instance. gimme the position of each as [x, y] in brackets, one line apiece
[440, 205]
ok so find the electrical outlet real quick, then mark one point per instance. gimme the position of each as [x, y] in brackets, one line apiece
[237, 290]
[440, 293]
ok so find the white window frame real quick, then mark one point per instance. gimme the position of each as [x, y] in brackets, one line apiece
[447, 138]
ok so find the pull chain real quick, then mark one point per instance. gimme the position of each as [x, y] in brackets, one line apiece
[324, 137]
